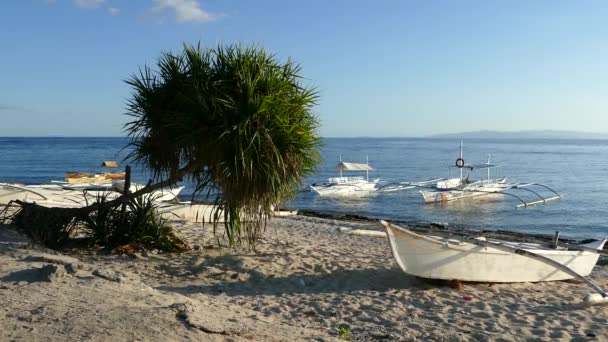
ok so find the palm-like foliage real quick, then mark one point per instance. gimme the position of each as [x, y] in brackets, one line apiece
[233, 118]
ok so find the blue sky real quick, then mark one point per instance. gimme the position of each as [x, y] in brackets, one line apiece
[382, 68]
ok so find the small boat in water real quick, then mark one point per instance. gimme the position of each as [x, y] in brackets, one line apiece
[465, 186]
[483, 260]
[490, 187]
[93, 178]
[347, 186]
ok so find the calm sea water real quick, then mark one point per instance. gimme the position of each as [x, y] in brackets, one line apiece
[577, 169]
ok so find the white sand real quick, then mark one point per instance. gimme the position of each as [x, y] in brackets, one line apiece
[304, 283]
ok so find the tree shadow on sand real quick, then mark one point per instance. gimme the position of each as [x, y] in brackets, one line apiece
[31, 275]
[338, 281]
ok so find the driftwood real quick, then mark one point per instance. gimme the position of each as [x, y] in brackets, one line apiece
[363, 232]
[48, 226]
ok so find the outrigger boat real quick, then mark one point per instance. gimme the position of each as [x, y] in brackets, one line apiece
[484, 260]
[443, 190]
[347, 186]
[465, 186]
[75, 195]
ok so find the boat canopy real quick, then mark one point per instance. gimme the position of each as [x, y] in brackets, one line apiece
[344, 166]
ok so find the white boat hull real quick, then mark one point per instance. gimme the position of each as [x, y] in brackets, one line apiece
[351, 189]
[436, 258]
[56, 196]
[468, 192]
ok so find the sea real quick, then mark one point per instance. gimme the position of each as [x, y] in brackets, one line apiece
[576, 169]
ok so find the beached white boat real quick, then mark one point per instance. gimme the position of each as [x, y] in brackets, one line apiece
[347, 186]
[481, 260]
[70, 195]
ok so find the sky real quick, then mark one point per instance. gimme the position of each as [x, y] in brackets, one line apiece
[382, 68]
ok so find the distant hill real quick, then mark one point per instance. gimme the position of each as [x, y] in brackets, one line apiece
[544, 134]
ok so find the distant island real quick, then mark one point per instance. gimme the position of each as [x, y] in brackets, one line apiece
[540, 134]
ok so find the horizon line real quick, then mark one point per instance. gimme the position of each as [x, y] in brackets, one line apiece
[434, 136]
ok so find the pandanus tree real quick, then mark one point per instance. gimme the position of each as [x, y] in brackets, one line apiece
[235, 121]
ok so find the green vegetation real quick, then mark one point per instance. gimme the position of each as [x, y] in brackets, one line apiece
[140, 223]
[233, 119]
[344, 333]
[109, 226]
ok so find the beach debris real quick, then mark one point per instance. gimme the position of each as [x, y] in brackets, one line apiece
[467, 298]
[310, 312]
[441, 225]
[595, 298]
[34, 315]
[132, 250]
[51, 272]
[361, 232]
[109, 275]
[456, 284]
[72, 268]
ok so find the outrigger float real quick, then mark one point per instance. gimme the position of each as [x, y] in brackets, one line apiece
[443, 190]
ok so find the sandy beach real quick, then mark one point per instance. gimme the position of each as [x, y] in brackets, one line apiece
[306, 281]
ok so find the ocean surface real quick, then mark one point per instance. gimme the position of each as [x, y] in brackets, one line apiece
[577, 169]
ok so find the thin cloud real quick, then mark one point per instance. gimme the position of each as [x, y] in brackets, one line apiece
[88, 3]
[7, 107]
[186, 11]
[113, 10]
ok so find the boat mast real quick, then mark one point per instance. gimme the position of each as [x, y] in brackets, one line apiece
[367, 169]
[461, 158]
[488, 167]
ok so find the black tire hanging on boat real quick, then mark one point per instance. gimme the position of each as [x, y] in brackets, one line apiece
[460, 163]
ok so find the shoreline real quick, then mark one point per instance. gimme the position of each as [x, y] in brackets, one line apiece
[430, 227]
